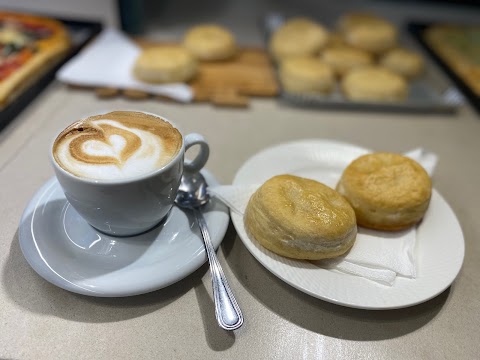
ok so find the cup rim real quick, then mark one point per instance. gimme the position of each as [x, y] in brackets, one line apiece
[127, 180]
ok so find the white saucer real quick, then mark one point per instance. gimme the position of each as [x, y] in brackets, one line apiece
[439, 249]
[62, 248]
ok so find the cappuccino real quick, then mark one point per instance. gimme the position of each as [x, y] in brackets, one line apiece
[117, 145]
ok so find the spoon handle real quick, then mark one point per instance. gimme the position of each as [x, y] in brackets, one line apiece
[227, 311]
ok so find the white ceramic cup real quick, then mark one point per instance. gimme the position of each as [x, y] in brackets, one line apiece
[127, 207]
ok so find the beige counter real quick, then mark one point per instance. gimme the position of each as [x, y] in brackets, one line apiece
[41, 321]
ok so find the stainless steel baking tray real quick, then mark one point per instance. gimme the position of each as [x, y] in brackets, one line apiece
[431, 93]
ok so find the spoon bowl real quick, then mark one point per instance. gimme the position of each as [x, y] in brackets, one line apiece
[192, 192]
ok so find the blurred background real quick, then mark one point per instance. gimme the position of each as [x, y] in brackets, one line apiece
[156, 17]
[166, 21]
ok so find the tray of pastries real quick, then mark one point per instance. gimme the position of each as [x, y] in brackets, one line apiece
[360, 62]
[216, 67]
[205, 64]
[456, 48]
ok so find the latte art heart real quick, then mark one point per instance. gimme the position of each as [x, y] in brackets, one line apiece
[114, 147]
[117, 145]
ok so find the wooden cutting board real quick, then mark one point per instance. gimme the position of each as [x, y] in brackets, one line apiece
[223, 83]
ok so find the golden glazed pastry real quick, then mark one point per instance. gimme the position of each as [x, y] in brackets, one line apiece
[374, 84]
[404, 62]
[165, 64]
[343, 59]
[300, 218]
[210, 42]
[298, 37]
[306, 75]
[387, 191]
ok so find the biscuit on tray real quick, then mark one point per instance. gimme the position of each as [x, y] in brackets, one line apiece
[343, 59]
[404, 62]
[306, 75]
[165, 64]
[210, 42]
[374, 84]
[368, 32]
[298, 37]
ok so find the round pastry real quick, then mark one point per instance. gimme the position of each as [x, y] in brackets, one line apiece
[342, 59]
[336, 40]
[368, 32]
[298, 37]
[404, 62]
[374, 84]
[387, 191]
[210, 42]
[300, 218]
[375, 37]
[350, 20]
[165, 64]
[306, 75]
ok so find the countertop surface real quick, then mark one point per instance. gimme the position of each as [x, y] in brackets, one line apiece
[41, 321]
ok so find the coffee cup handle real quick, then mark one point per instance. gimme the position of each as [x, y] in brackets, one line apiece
[201, 159]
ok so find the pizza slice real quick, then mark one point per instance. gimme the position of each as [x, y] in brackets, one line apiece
[29, 46]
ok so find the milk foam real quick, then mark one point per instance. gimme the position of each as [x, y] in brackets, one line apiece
[110, 150]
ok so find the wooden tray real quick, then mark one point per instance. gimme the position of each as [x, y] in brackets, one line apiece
[223, 83]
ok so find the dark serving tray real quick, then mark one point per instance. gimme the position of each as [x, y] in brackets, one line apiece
[80, 33]
[417, 29]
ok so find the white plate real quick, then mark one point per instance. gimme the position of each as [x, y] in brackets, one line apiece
[62, 248]
[440, 244]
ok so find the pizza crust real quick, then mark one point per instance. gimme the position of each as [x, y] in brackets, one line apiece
[49, 52]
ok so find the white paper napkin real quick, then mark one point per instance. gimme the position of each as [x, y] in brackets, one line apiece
[108, 61]
[376, 255]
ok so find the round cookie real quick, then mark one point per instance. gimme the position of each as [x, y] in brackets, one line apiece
[343, 59]
[300, 218]
[306, 75]
[350, 20]
[387, 191]
[374, 84]
[368, 32]
[298, 37]
[404, 62]
[210, 42]
[375, 37]
[165, 64]
[336, 40]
